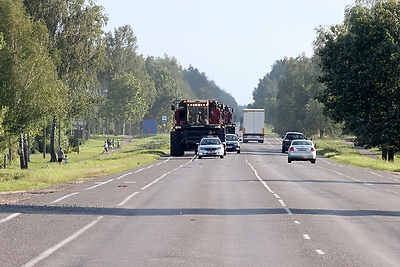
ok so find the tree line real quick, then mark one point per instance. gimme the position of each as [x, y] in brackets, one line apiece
[351, 84]
[62, 77]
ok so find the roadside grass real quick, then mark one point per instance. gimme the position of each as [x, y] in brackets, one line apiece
[90, 162]
[343, 152]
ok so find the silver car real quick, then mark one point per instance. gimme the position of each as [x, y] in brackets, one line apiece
[302, 150]
[210, 147]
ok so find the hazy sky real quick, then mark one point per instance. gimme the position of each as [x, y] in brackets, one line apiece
[234, 42]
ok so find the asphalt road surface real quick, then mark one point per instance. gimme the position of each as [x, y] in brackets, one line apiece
[248, 209]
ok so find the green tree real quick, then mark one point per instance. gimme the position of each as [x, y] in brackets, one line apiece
[30, 92]
[2, 43]
[264, 96]
[75, 38]
[297, 88]
[123, 97]
[124, 61]
[170, 85]
[360, 69]
[203, 88]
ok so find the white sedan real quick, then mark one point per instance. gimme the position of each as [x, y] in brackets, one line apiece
[302, 150]
[210, 147]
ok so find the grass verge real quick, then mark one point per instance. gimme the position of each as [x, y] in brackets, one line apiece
[90, 162]
[343, 152]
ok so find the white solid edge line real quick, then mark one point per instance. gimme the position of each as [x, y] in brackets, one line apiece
[167, 173]
[53, 249]
[127, 199]
[97, 185]
[64, 197]
[12, 216]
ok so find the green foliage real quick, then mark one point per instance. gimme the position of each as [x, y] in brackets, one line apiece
[165, 84]
[128, 89]
[125, 99]
[361, 73]
[297, 87]
[170, 85]
[89, 163]
[2, 43]
[29, 89]
[205, 89]
[264, 95]
[75, 41]
[343, 152]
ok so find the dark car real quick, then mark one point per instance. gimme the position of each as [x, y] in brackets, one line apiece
[289, 137]
[232, 143]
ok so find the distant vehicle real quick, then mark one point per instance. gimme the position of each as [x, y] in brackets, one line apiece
[232, 143]
[302, 150]
[253, 125]
[289, 137]
[210, 147]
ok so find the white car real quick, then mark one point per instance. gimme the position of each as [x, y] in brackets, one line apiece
[210, 147]
[302, 150]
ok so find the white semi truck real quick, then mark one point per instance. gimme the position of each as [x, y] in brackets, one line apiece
[253, 125]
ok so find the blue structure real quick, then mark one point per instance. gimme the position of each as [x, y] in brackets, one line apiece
[150, 126]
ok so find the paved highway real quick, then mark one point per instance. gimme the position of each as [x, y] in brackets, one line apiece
[248, 209]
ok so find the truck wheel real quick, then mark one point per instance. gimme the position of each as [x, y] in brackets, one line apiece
[177, 145]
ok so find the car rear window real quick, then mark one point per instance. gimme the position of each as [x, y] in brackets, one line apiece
[301, 143]
[294, 136]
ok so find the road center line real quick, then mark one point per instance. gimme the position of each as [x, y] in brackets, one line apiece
[64, 242]
[259, 178]
[288, 211]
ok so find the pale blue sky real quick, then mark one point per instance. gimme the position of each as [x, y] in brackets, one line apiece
[234, 42]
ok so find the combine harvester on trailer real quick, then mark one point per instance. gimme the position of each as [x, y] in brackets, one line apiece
[194, 119]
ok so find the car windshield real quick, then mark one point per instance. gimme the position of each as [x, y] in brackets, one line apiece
[210, 142]
[294, 136]
[231, 138]
[301, 143]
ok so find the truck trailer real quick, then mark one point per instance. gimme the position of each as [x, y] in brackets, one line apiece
[253, 125]
[194, 119]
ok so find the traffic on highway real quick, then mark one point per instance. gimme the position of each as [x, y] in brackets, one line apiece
[249, 209]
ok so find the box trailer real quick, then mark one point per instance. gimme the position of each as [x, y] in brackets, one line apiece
[253, 125]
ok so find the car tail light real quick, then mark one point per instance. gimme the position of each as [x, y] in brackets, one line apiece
[312, 149]
[291, 149]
